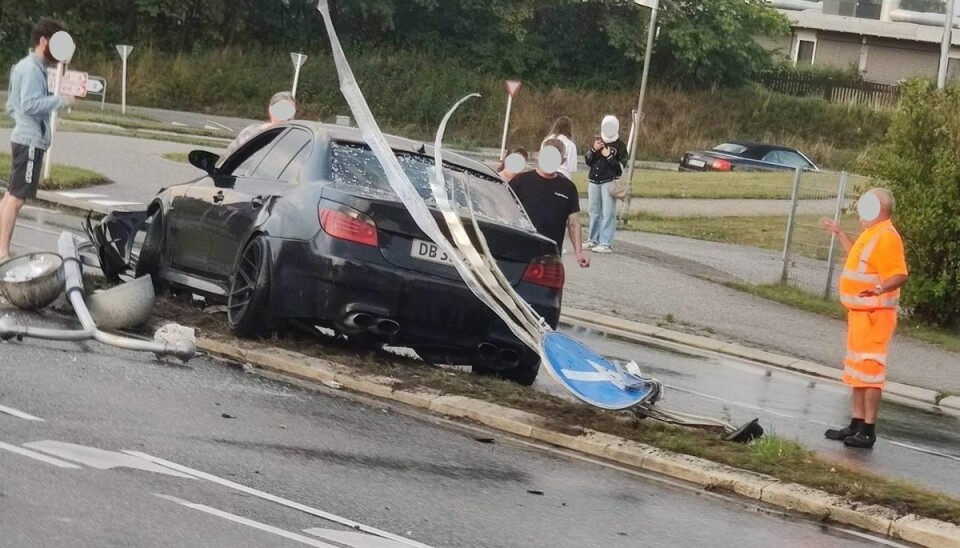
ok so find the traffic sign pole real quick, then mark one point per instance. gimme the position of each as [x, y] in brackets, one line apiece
[62, 47]
[124, 52]
[513, 88]
[298, 60]
[48, 161]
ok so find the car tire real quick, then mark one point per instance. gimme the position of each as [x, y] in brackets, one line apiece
[524, 374]
[248, 302]
[151, 253]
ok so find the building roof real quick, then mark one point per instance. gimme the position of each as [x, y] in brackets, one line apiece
[867, 27]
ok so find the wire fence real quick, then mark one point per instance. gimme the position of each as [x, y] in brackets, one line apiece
[812, 257]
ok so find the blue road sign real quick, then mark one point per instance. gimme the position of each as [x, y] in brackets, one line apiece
[591, 377]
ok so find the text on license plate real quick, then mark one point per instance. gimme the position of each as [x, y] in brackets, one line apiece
[429, 251]
[696, 163]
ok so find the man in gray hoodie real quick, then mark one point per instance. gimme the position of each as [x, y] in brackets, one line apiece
[29, 104]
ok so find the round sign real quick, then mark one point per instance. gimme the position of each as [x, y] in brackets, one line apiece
[869, 207]
[282, 111]
[515, 163]
[62, 46]
[550, 159]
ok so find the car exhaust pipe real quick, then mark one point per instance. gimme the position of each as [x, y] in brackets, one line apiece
[487, 351]
[385, 327]
[509, 357]
[359, 320]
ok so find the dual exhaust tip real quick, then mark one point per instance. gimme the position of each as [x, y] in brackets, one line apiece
[491, 353]
[362, 321]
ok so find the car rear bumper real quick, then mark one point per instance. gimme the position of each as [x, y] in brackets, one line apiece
[326, 281]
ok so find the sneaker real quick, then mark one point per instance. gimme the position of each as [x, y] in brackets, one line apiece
[589, 244]
[602, 249]
[861, 440]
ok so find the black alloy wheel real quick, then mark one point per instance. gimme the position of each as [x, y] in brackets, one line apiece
[249, 298]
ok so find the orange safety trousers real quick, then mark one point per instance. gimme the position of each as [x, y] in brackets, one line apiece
[868, 339]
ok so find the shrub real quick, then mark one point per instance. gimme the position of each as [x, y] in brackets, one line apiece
[920, 163]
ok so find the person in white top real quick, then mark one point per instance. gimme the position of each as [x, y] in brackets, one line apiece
[563, 130]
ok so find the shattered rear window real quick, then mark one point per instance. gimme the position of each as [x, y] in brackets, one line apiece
[356, 166]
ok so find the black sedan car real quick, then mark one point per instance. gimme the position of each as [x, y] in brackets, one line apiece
[745, 156]
[301, 225]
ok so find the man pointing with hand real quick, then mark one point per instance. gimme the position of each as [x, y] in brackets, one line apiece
[870, 285]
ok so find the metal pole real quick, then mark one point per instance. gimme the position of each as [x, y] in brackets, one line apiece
[296, 79]
[622, 210]
[651, 34]
[788, 239]
[506, 125]
[48, 156]
[946, 44]
[103, 98]
[831, 254]
[123, 94]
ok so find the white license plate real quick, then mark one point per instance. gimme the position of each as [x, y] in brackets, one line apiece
[429, 251]
[696, 163]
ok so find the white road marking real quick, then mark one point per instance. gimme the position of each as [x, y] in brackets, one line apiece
[112, 203]
[351, 539]
[179, 124]
[248, 522]
[279, 500]
[19, 414]
[38, 456]
[924, 450]
[208, 127]
[81, 195]
[100, 459]
[221, 125]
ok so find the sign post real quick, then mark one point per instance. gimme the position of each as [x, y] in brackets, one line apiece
[124, 52]
[654, 6]
[513, 89]
[62, 47]
[298, 61]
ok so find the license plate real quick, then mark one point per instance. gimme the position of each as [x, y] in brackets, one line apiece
[696, 163]
[429, 251]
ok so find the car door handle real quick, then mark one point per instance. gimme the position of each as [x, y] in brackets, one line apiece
[257, 202]
[218, 197]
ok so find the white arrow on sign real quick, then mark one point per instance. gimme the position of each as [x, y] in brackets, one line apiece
[94, 86]
[513, 87]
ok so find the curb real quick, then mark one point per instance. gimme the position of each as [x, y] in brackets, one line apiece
[912, 396]
[706, 474]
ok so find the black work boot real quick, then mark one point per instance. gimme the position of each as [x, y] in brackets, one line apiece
[844, 433]
[863, 438]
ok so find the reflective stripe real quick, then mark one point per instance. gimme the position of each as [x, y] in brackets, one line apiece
[871, 302]
[864, 356]
[863, 377]
[868, 250]
[861, 277]
[31, 155]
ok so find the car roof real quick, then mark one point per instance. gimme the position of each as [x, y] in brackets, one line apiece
[353, 135]
[762, 147]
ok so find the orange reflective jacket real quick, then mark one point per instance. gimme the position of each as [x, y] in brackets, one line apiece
[876, 256]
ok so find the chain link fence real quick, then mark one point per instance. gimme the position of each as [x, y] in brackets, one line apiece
[812, 257]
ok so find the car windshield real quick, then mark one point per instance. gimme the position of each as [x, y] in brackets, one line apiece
[356, 166]
[730, 148]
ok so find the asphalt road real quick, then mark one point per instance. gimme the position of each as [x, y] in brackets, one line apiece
[408, 475]
[914, 445]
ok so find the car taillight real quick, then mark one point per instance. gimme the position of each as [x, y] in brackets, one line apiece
[545, 271]
[721, 165]
[349, 225]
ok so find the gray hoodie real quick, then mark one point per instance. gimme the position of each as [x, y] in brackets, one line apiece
[30, 104]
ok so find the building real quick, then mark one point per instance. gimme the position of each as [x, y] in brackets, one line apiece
[885, 43]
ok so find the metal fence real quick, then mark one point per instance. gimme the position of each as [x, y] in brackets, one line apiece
[835, 91]
[811, 255]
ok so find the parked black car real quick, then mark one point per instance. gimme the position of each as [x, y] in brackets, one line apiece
[744, 156]
[300, 224]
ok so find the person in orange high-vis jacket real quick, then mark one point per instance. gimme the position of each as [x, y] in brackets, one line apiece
[874, 272]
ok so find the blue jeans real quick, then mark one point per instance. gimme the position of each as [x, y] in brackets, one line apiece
[603, 212]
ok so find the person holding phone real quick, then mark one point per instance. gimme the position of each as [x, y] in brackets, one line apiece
[606, 158]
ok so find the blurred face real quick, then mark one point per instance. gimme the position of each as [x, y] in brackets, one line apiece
[43, 50]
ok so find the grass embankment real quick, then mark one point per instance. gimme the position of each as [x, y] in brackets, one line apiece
[775, 456]
[138, 122]
[409, 92]
[61, 177]
[797, 298]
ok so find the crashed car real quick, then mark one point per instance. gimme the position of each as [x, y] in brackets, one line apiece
[301, 225]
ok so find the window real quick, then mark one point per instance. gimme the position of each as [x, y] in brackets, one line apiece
[356, 166]
[730, 148]
[792, 159]
[245, 160]
[282, 154]
[805, 53]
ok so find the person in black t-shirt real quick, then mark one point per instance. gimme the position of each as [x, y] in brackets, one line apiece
[551, 200]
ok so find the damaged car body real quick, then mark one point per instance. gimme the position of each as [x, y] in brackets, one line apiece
[301, 225]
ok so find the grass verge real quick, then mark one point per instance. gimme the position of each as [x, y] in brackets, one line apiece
[797, 298]
[181, 157]
[775, 456]
[61, 177]
[650, 183]
[139, 123]
[141, 134]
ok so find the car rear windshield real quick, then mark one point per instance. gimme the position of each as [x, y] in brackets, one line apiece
[730, 148]
[355, 166]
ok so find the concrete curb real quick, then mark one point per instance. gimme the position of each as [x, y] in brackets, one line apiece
[701, 472]
[913, 396]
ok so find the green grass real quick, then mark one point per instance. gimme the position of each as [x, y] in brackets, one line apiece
[133, 123]
[649, 183]
[182, 157]
[61, 177]
[139, 134]
[775, 456]
[797, 298]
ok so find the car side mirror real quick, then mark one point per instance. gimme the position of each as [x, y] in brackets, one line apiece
[204, 160]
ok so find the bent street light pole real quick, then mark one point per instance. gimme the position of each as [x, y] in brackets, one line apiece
[651, 34]
[946, 45]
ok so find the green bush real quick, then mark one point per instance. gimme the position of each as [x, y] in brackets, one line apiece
[920, 164]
